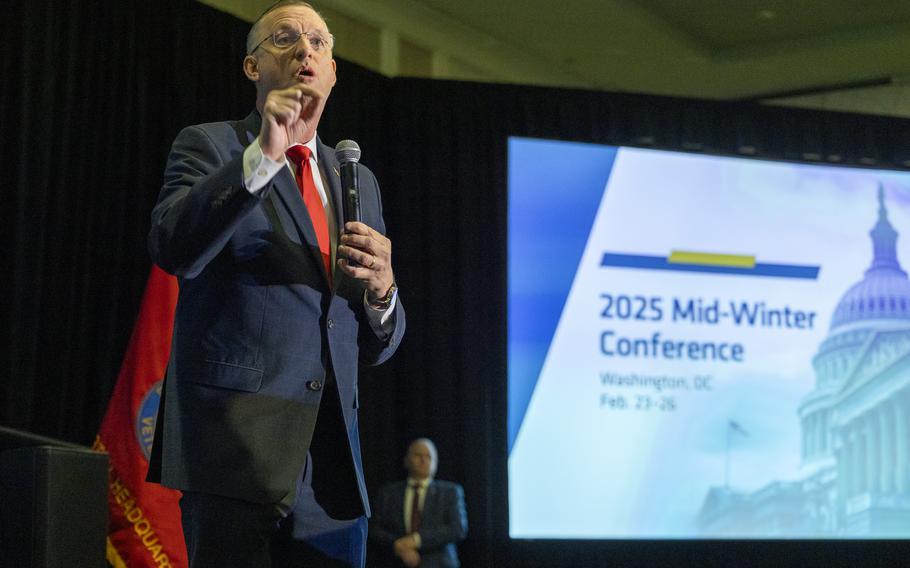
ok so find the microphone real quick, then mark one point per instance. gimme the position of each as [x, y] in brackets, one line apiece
[347, 152]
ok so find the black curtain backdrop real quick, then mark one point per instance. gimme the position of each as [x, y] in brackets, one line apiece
[93, 94]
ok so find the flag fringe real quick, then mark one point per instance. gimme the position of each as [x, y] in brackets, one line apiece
[113, 557]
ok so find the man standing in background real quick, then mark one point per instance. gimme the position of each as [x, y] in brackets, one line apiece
[421, 519]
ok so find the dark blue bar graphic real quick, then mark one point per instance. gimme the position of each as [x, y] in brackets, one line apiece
[661, 263]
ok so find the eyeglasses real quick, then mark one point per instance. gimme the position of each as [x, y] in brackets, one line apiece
[285, 38]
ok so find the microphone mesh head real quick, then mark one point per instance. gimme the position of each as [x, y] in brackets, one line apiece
[347, 151]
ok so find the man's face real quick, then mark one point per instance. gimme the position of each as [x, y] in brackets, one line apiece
[280, 68]
[420, 461]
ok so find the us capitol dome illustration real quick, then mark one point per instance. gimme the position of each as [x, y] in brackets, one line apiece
[855, 423]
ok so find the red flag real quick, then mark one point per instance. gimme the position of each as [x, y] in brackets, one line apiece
[144, 520]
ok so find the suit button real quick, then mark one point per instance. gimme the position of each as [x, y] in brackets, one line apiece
[330, 323]
[314, 385]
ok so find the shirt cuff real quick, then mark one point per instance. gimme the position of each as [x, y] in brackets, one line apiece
[416, 537]
[381, 321]
[258, 169]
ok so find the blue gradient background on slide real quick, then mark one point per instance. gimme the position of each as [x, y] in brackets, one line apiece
[548, 228]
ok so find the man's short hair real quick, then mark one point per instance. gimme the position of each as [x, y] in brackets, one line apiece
[430, 446]
[251, 37]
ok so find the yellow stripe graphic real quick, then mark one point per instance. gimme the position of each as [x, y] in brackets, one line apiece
[711, 259]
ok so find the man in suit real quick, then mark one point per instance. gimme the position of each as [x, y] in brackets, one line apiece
[422, 518]
[279, 302]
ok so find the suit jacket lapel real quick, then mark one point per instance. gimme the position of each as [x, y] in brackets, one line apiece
[285, 186]
[429, 501]
[332, 175]
[393, 504]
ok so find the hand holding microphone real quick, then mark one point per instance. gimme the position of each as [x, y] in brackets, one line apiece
[366, 254]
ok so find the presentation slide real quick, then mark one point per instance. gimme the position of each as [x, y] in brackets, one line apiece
[706, 347]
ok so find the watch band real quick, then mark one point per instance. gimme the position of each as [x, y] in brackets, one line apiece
[385, 302]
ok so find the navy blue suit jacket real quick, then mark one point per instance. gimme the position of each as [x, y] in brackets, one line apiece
[443, 521]
[259, 334]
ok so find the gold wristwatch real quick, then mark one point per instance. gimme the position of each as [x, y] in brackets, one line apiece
[384, 302]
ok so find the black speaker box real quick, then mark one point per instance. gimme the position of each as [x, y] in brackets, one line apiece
[53, 502]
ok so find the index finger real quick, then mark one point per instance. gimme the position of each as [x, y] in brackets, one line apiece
[358, 228]
[298, 91]
[307, 90]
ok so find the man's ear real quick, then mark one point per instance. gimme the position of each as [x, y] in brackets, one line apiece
[251, 68]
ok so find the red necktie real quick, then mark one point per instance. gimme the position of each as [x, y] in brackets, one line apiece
[415, 509]
[300, 155]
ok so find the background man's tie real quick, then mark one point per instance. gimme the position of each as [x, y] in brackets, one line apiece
[415, 509]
